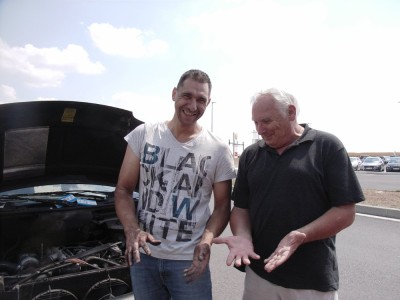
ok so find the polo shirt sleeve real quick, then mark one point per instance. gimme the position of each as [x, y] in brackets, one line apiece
[342, 183]
[240, 193]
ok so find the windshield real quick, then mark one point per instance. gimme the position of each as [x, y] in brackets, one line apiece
[371, 159]
[395, 160]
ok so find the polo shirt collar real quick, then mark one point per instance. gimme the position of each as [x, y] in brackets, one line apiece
[308, 135]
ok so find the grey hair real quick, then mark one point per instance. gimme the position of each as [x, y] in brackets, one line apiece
[284, 99]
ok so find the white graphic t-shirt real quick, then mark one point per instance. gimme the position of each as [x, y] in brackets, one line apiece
[175, 185]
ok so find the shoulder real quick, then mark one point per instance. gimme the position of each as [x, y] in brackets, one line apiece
[145, 129]
[212, 138]
[251, 153]
[150, 128]
[135, 132]
[327, 138]
[329, 145]
[320, 137]
[254, 148]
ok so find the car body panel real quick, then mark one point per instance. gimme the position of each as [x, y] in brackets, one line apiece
[60, 237]
[393, 164]
[53, 141]
[356, 163]
[373, 163]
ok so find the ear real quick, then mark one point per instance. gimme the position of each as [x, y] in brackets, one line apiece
[292, 112]
[173, 93]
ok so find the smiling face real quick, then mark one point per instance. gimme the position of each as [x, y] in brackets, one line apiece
[191, 100]
[273, 123]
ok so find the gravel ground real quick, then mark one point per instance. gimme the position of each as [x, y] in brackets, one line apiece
[382, 198]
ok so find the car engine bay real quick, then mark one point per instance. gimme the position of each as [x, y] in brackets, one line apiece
[49, 246]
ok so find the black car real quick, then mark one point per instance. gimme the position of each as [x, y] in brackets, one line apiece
[60, 237]
[393, 164]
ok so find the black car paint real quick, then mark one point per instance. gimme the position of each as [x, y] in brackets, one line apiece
[51, 251]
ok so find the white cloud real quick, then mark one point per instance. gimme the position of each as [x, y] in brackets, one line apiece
[258, 28]
[7, 94]
[43, 67]
[126, 42]
[336, 71]
[144, 107]
[46, 98]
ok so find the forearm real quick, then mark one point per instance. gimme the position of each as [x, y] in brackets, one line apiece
[329, 224]
[217, 223]
[126, 210]
[240, 223]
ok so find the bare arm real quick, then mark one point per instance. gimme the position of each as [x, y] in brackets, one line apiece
[126, 211]
[220, 215]
[240, 223]
[329, 224]
[215, 226]
[127, 180]
[332, 222]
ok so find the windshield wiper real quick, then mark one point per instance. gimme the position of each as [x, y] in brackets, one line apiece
[90, 195]
[24, 200]
[62, 198]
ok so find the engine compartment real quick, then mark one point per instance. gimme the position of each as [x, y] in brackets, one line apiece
[48, 253]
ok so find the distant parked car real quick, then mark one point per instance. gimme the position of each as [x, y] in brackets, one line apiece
[356, 162]
[393, 164]
[385, 159]
[373, 163]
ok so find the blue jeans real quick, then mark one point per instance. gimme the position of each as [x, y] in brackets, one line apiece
[161, 279]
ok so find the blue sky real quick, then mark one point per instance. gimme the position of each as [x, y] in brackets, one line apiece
[339, 58]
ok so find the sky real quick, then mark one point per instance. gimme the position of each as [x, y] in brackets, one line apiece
[339, 58]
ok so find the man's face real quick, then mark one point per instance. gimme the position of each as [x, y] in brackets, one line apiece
[191, 100]
[272, 124]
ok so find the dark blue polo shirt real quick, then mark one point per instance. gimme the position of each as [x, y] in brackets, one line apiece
[285, 192]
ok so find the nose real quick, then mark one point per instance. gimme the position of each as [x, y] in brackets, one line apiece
[191, 104]
[260, 128]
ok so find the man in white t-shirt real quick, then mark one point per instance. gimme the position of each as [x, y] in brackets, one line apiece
[176, 165]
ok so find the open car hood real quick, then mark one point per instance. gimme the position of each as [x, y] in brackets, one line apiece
[60, 236]
[46, 142]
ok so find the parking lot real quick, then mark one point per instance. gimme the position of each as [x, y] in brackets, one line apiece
[385, 181]
[376, 163]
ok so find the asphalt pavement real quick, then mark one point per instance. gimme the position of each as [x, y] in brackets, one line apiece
[381, 181]
[378, 211]
[355, 270]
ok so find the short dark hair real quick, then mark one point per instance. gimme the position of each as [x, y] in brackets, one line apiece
[196, 75]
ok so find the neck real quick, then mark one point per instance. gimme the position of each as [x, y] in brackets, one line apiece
[296, 134]
[183, 134]
[298, 130]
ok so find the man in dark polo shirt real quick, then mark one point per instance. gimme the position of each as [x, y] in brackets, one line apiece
[295, 190]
